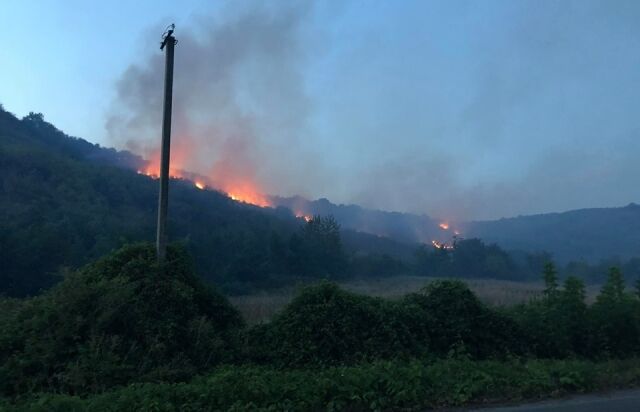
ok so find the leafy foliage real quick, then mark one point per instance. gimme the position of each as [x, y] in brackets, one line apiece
[378, 386]
[127, 320]
[119, 320]
[325, 325]
[455, 319]
[469, 258]
[616, 318]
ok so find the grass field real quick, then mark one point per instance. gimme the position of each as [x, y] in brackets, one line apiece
[260, 307]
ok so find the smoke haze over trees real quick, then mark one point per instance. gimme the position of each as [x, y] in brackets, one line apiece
[468, 117]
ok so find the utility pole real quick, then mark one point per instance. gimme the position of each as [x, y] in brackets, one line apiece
[168, 42]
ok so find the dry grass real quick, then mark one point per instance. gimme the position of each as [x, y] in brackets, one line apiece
[261, 307]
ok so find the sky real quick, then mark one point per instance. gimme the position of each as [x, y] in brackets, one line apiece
[456, 109]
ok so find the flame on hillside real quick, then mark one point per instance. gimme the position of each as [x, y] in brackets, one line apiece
[444, 226]
[247, 193]
[307, 218]
[240, 190]
[441, 245]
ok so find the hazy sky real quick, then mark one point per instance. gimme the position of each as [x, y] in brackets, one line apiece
[459, 109]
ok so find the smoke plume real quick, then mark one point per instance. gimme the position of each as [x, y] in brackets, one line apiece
[239, 105]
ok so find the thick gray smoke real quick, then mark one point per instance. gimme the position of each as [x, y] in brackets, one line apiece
[240, 106]
[460, 109]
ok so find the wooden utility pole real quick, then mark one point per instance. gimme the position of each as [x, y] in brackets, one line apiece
[168, 42]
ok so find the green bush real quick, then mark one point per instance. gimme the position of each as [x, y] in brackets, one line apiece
[615, 319]
[378, 386]
[122, 319]
[325, 325]
[452, 318]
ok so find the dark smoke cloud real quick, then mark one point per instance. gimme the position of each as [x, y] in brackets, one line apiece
[457, 109]
[240, 107]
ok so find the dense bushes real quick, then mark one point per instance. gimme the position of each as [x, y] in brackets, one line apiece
[379, 386]
[453, 318]
[325, 325]
[122, 319]
[560, 324]
[125, 319]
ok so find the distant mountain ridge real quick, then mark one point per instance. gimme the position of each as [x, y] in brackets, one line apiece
[585, 235]
[404, 227]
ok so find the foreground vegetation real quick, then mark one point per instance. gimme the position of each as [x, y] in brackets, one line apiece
[382, 385]
[125, 333]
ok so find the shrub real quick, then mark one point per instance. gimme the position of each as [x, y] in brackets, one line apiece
[122, 319]
[325, 325]
[453, 318]
[615, 319]
[556, 325]
[378, 386]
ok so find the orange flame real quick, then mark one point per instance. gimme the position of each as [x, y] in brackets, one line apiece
[238, 189]
[307, 218]
[247, 193]
[444, 226]
[439, 245]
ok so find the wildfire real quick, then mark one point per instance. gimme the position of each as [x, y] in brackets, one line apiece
[240, 190]
[444, 226]
[306, 218]
[248, 196]
[439, 245]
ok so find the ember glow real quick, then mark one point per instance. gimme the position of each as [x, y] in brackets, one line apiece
[239, 189]
[439, 245]
[306, 218]
[251, 198]
[246, 192]
[444, 226]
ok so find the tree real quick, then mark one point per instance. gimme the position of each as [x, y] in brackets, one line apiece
[613, 290]
[550, 276]
[573, 314]
[317, 250]
[616, 318]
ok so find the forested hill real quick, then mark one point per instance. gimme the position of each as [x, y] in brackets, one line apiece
[405, 227]
[586, 234]
[589, 235]
[64, 202]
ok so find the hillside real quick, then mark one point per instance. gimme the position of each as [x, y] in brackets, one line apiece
[65, 202]
[404, 227]
[586, 234]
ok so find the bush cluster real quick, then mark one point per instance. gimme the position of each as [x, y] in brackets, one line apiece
[325, 325]
[379, 386]
[126, 319]
[122, 319]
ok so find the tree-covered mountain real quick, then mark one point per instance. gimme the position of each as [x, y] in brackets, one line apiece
[584, 235]
[65, 202]
[588, 235]
[404, 227]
